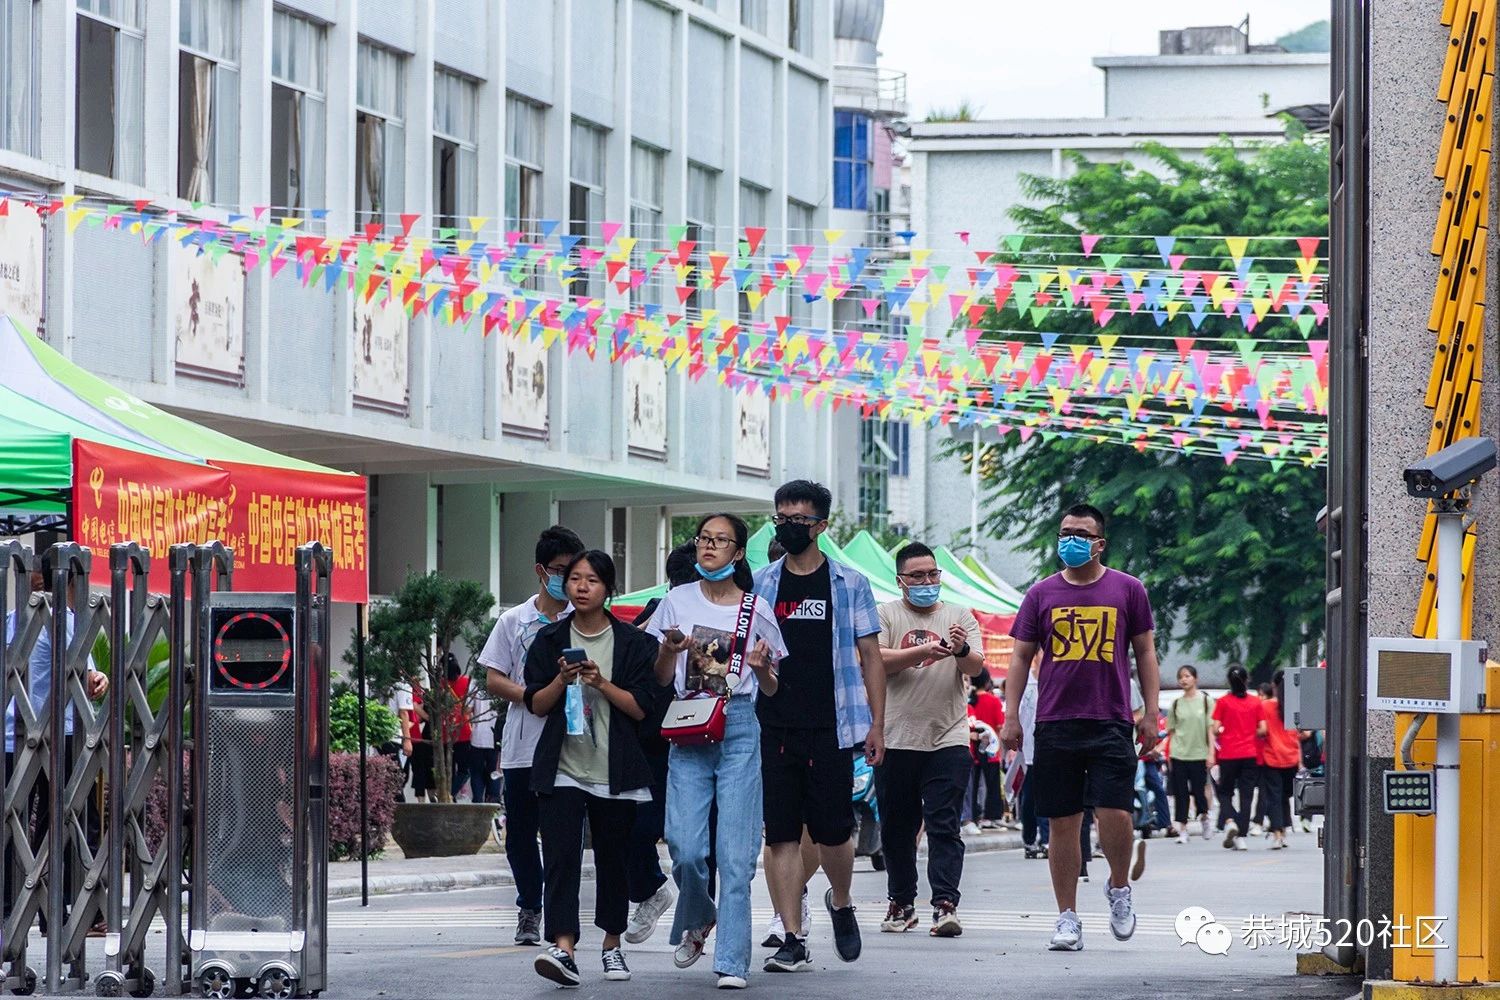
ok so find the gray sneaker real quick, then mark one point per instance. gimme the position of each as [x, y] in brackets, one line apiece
[643, 922]
[1121, 912]
[528, 927]
[1068, 934]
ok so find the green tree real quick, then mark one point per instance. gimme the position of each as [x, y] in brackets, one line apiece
[965, 111]
[1315, 37]
[1230, 553]
[410, 639]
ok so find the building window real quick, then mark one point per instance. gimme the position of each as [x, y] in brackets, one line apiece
[585, 194]
[455, 150]
[110, 92]
[851, 161]
[648, 168]
[797, 34]
[19, 24]
[753, 202]
[208, 101]
[702, 215]
[754, 14]
[298, 113]
[800, 219]
[379, 136]
[525, 137]
[885, 451]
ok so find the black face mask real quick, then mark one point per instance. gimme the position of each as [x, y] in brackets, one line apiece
[795, 538]
[973, 696]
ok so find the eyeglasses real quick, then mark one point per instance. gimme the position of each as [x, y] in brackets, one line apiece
[557, 570]
[800, 519]
[934, 576]
[713, 542]
[1079, 534]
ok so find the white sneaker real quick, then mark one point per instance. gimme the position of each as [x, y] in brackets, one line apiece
[691, 948]
[1138, 866]
[647, 914]
[1240, 845]
[1069, 933]
[775, 932]
[970, 830]
[1182, 838]
[728, 981]
[806, 915]
[1208, 830]
[1121, 912]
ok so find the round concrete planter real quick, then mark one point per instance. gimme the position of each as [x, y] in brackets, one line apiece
[442, 830]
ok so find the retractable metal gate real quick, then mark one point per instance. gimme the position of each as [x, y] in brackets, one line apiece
[68, 863]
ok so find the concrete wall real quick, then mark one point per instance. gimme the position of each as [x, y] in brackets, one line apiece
[1186, 86]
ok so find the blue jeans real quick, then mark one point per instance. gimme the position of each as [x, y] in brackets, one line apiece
[521, 849]
[1162, 817]
[727, 773]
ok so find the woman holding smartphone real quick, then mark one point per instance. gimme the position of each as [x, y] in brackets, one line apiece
[697, 625]
[590, 766]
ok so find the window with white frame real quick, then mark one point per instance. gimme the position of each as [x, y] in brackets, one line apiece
[586, 158]
[648, 169]
[20, 21]
[702, 216]
[110, 89]
[208, 101]
[379, 136]
[298, 113]
[455, 150]
[753, 207]
[525, 141]
[755, 14]
[798, 25]
[800, 219]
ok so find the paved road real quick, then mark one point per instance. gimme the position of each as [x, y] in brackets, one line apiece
[456, 944]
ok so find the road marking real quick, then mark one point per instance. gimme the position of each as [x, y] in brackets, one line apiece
[485, 952]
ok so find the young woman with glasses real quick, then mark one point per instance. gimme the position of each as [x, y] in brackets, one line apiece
[696, 625]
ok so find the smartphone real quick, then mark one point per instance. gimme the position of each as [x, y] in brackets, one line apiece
[575, 655]
[674, 634]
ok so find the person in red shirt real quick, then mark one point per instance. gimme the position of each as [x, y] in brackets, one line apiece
[1282, 751]
[459, 727]
[988, 708]
[1237, 718]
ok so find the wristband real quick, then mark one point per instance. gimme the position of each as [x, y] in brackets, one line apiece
[962, 651]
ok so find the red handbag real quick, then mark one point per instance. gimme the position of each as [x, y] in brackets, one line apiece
[693, 722]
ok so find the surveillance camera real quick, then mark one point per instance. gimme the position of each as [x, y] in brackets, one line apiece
[1456, 466]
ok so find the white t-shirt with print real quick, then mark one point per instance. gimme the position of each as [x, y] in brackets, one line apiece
[711, 627]
[505, 650]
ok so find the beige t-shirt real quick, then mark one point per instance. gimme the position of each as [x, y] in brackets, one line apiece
[585, 758]
[926, 706]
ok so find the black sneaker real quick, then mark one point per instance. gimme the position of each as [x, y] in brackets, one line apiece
[846, 940]
[792, 956]
[558, 966]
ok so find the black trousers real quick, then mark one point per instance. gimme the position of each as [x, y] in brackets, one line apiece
[917, 786]
[562, 814]
[1031, 826]
[1237, 779]
[1188, 780]
[644, 869]
[993, 807]
[1276, 792]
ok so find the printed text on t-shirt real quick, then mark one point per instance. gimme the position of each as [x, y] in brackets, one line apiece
[1084, 634]
[805, 610]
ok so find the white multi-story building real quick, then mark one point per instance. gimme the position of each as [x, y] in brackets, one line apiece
[1203, 85]
[715, 115]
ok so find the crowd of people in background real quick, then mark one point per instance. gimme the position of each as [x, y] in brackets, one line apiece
[804, 674]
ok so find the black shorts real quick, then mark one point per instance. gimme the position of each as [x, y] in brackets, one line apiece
[806, 780]
[1083, 763]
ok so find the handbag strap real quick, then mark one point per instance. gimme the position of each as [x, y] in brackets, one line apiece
[744, 623]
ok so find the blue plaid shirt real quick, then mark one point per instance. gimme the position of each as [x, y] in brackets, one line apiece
[854, 617]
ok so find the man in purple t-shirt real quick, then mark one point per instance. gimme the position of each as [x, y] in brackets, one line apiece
[1087, 621]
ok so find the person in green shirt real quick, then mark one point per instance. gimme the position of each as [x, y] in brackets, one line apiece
[1190, 726]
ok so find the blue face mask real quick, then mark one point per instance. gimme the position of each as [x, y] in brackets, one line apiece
[714, 576]
[555, 587]
[924, 596]
[1075, 551]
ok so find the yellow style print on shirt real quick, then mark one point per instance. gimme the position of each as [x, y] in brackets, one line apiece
[1085, 635]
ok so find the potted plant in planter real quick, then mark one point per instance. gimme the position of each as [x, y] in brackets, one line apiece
[410, 640]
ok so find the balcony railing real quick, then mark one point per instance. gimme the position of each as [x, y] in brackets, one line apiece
[877, 90]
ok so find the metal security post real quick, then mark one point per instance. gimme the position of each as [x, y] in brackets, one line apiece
[18, 774]
[310, 853]
[1445, 849]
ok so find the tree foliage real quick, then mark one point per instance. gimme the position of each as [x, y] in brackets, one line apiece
[1231, 554]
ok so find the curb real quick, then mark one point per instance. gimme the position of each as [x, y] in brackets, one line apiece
[499, 876]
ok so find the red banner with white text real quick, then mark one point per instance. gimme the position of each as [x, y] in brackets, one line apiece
[262, 513]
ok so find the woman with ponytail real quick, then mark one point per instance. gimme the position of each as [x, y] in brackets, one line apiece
[1237, 717]
[1282, 753]
[697, 625]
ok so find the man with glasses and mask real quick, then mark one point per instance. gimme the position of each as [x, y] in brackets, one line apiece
[929, 648]
[1087, 620]
[831, 699]
[504, 658]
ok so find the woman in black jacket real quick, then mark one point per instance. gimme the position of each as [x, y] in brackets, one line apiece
[599, 770]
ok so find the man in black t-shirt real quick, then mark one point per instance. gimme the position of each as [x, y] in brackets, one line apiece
[830, 699]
